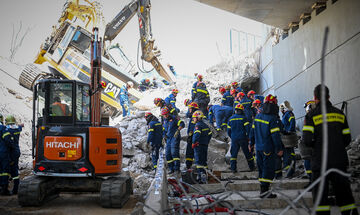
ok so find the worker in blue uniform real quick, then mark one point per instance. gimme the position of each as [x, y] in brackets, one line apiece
[144, 84]
[227, 99]
[155, 136]
[238, 131]
[221, 115]
[288, 121]
[171, 99]
[235, 86]
[11, 136]
[172, 127]
[201, 139]
[265, 134]
[201, 97]
[159, 102]
[124, 98]
[247, 103]
[4, 161]
[199, 78]
[189, 154]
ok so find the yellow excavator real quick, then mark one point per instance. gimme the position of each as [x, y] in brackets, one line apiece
[67, 51]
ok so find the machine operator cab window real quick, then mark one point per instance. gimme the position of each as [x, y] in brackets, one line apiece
[62, 102]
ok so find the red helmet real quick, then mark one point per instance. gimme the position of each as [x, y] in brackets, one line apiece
[193, 105]
[270, 99]
[147, 80]
[164, 111]
[157, 101]
[240, 94]
[199, 77]
[148, 114]
[234, 84]
[239, 107]
[251, 92]
[257, 101]
[222, 90]
[103, 84]
[186, 102]
[227, 87]
[175, 91]
[233, 92]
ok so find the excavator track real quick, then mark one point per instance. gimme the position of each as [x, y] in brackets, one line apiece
[115, 192]
[35, 190]
[30, 74]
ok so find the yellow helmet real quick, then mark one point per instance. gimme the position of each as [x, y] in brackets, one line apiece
[197, 114]
[10, 120]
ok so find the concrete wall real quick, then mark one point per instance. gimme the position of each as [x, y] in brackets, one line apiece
[296, 61]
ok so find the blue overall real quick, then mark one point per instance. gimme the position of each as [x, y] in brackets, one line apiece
[189, 154]
[202, 98]
[4, 159]
[221, 115]
[202, 135]
[238, 130]
[124, 100]
[288, 121]
[227, 99]
[171, 100]
[265, 134]
[239, 89]
[155, 133]
[11, 137]
[171, 125]
[144, 85]
[247, 103]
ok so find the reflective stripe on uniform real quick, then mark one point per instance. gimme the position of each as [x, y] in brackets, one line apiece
[172, 101]
[246, 123]
[233, 159]
[308, 128]
[251, 159]
[262, 121]
[189, 159]
[348, 207]
[224, 99]
[308, 171]
[155, 166]
[278, 171]
[176, 159]
[287, 167]
[265, 180]
[210, 133]
[158, 123]
[290, 118]
[197, 131]
[323, 208]
[275, 130]
[203, 91]
[17, 133]
[205, 129]
[5, 134]
[178, 124]
[330, 117]
[346, 131]
[245, 103]
[170, 161]
[172, 110]
[16, 177]
[198, 167]
[267, 154]
[293, 154]
[223, 124]
[4, 174]
[229, 126]
[233, 119]
[253, 126]
[151, 129]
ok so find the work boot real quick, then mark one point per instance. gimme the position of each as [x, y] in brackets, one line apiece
[265, 193]
[5, 191]
[203, 179]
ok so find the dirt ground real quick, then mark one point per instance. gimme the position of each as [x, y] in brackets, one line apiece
[67, 203]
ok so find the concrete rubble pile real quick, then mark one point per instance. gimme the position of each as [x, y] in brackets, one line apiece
[353, 151]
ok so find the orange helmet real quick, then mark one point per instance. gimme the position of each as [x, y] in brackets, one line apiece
[234, 84]
[164, 111]
[227, 87]
[257, 101]
[186, 102]
[239, 107]
[251, 92]
[199, 77]
[198, 113]
[240, 94]
[222, 90]
[147, 80]
[157, 101]
[193, 105]
[175, 91]
[233, 92]
[270, 99]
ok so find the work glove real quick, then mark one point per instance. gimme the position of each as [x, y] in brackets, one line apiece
[126, 107]
[194, 145]
[177, 133]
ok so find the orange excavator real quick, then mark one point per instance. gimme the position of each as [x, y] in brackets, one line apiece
[71, 150]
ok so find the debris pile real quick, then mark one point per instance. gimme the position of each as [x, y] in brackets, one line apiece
[353, 151]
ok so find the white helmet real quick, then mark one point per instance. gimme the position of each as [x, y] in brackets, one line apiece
[130, 83]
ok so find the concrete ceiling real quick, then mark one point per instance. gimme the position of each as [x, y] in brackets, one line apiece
[278, 13]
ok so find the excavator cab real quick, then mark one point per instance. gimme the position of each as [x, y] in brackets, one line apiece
[69, 152]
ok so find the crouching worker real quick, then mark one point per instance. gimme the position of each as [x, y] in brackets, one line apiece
[155, 132]
[11, 137]
[201, 139]
[266, 134]
[238, 130]
[172, 127]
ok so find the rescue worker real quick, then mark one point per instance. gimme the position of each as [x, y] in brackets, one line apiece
[11, 137]
[234, 94]
[155, 134]
[199, 78]
[222, 90]
[288, 121]
[144, 84]
[256, 108]
[171, 99]
[235, 86]
[161, 103]
[247, 103]
[201, 139]
[172, 69]
[251, 95]
[172, 127]
[238, 130]
[124, 98]
[58, 108]
[189, 154]
[201, 97]
[187, 102]
[338, 138]
[227, 99]
[4, 161]
[265, 134]
[221, 115]
[310, 105]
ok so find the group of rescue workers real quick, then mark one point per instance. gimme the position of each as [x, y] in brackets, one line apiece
[253, 124]
[9, 154]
